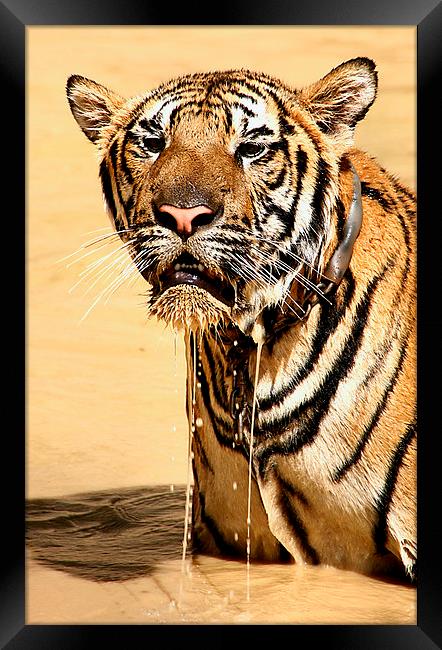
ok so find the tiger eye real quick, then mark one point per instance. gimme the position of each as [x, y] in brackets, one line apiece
[250, 149]
[154, 144]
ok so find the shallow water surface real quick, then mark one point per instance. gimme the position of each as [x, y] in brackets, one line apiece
[115, 557]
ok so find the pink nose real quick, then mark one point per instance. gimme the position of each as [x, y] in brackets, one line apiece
[187, 220]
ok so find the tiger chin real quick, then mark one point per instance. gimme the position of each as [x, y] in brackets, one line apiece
[258, 225]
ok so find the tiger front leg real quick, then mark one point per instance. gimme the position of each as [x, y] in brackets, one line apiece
[220, 504]
[402, 525]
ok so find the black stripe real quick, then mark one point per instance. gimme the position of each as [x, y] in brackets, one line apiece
[113, 159]
[200, 451]
[291, 519]
[284, 114]
[222, 428]
[279, 180]
[322, 182]
[224, 547]
[390, 204]
[167, 98]
[375, 195]
[109, 195]
[264, 87]
[243, 108]
[279, 145]
[288, 218]
[366, 435]
[398, 205]
[124, 167]
[242, 83]
[384, 499]
[151, 125]
[162, 93]
[227, 118]
[330, 317]
[260, 130]
[393, 327]
[289, 488]
[309, 415]
[175, 112]
[216, 371]
[401, 189]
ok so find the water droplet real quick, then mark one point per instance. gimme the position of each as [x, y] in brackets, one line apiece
[235, 537]
[192, 455]
[235, 485]
[198, 384]
[199, 422]
[234, 373]
[233, 445]
[235, 342]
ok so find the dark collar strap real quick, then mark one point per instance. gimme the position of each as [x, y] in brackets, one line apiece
[340, 260]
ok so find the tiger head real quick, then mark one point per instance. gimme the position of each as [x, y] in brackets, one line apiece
[224, 185]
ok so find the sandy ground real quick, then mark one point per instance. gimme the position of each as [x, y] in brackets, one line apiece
[105, 393]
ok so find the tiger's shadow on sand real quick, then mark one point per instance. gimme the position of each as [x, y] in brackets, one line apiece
[110, 535]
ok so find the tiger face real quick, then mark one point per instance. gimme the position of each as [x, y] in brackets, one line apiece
[224, 184]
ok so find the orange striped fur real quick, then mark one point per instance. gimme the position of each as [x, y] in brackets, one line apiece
[233, 191]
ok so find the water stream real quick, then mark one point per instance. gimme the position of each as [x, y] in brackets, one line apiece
[249, 487]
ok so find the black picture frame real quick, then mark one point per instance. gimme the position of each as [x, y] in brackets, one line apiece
[15, 16]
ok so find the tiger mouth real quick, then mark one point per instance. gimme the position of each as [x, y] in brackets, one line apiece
[187, 270]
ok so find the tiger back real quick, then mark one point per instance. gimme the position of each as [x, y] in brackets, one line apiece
[287, 256]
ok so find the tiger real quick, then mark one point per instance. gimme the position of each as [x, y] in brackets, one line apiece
[287, 256]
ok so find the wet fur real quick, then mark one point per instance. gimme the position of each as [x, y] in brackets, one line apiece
[334, 457]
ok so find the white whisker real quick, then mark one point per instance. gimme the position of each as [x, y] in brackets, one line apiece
[289, 252]
[88, 253]
[302, 279]
[109, 269]
[92, 267]
[101, 295]
[91, 242]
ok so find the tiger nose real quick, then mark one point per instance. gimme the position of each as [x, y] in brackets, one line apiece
[184, 221]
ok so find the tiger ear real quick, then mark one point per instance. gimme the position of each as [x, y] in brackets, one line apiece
[340, 99]
[91, 104]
